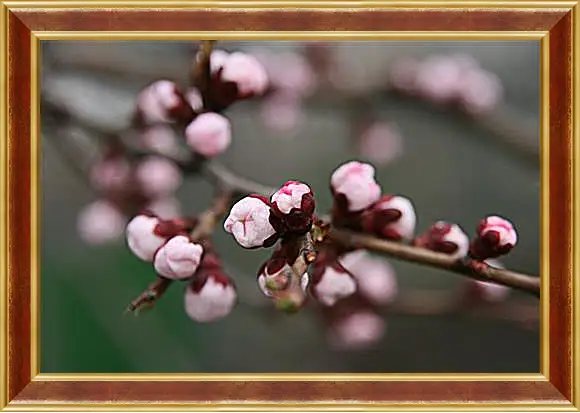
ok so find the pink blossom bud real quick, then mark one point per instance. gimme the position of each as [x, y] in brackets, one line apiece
[249, 222]
[246, 72]
[142, 239]
[357, 331]
[392, 217]
[445, 237]
[158, 177]
[165, 208]
[275, 275]
[291, 73]
[211, 298]
[381, 143]
[480, 91]
[100, 222]
[439, 79]
[293, 195]
[159, 138]
[281, 112]
[217, 60]
[178, 258]
[330, 283]
[294, 204]
[356, 181]
[111, 174]
[375, 277]
[209, 134]
[162, 102]
[495, 236]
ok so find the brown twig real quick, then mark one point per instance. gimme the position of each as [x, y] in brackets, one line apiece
[234, 183]
[418, 255]
[201, 72]
[148, 297]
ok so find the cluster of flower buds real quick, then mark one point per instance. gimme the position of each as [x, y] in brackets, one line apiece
[448, 79]
[125, 187]
[207, 133]
[234, 76]
[358, 204]
[210, 294]
[335, 274]
[256, 221]
[495, 236]
[163, 105]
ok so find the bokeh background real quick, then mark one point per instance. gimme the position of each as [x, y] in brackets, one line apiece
[451, 166]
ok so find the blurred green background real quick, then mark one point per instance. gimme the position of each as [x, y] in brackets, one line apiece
[451, 169]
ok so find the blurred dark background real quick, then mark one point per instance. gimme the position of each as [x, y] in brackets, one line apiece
[451, 167]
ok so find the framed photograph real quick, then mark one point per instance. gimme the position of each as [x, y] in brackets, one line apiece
[366, 205]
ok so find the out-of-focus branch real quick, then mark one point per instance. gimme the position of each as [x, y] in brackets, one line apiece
[433, 303]
[430, 303]
[223, 176]
[518, 281]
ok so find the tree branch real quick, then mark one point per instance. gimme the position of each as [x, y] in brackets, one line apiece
[418, 255]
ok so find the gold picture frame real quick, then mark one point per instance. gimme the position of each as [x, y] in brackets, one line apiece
[555, 24]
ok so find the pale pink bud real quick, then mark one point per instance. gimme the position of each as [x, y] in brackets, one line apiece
[356, 181]
[447, 238]
[440, 79]
[290, 196]
[375, 276]
[333, 285]
[480, 91]
[209, 134]
[178, 258]
[392, 217]
[211, 301]
[141, 237]
[165, 208]
[100, 222]
[381, 143]
[291, 73]
[111, 174]
[217, 60]
[157, 100]
[249, 222]
[158, 177]
[357, 331]
[160, 138]
[282, 112]
[246, 72]
[495, 236]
